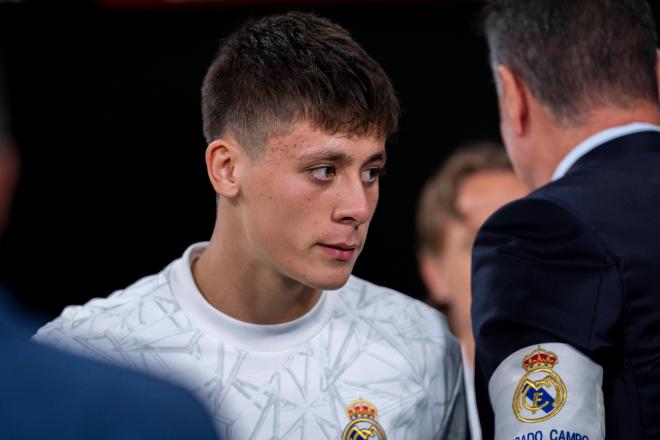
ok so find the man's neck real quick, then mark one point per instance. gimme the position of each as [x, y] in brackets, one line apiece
[245, 288]
[562, 138]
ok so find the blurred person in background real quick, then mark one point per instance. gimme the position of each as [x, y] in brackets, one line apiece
[475, 181]
[49, 394]
[265, 321]
[566, 287]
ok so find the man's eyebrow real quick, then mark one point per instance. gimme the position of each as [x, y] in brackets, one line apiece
[339, 157]
[326, 155]
[380, 156]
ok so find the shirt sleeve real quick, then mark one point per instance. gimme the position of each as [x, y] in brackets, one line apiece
[88, 332]
[456, 425]
[541, 277]
[443, 415]
[59, 333]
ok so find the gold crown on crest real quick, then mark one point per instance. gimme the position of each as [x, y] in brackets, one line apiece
[539, 358]
[361, 408]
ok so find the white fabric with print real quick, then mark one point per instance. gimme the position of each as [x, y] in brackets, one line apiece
[548, 392]
[291, 381]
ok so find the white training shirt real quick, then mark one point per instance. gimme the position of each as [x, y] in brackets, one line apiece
[285, 381]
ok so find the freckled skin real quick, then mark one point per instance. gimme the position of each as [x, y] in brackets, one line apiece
[290, 223]
[287, 213]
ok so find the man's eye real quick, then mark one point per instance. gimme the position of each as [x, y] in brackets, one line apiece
[324, 173]
[370, 175]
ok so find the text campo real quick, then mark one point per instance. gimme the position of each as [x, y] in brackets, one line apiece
[555, 434]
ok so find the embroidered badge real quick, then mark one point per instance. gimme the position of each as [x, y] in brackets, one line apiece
[541, 393]
[363, 424]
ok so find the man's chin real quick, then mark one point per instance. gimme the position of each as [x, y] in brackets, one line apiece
[329, 281]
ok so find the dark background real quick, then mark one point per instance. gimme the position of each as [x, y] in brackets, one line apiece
[105, 109]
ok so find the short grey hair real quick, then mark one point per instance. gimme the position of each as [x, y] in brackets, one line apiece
[576, 55]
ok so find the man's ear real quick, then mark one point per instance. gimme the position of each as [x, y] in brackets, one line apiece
[222, 157]
[430, 268]
[514, 97]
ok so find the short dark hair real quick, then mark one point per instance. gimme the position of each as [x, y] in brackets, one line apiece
[437, 201]
[576, 55]
[297, 66]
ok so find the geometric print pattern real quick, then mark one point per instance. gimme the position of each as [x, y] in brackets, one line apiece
[378, 344]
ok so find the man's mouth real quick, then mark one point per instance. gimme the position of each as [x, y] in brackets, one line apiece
[340, 251]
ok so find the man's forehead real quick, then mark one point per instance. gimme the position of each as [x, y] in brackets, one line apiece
[303, 141]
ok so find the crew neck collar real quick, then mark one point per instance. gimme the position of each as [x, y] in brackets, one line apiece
[242, 335]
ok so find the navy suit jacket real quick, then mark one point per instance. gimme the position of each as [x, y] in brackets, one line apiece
[47, 394]
[578, 262]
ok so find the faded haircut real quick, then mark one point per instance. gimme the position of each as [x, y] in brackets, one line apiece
[576, 55]
[295, 67]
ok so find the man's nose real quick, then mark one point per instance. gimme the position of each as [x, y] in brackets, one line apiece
[354, 203]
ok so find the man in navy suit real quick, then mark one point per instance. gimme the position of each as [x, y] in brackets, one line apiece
[47, 394]
[566, 281]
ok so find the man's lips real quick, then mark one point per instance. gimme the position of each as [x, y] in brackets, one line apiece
[340, 251]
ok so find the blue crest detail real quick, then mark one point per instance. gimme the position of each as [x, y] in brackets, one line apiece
[541, 398]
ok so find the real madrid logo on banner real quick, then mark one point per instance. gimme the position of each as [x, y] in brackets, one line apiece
[363, 424]
[541, 393]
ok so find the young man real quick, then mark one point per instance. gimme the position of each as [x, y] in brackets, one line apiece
[566, 310]
[474, 182]
[296, 115]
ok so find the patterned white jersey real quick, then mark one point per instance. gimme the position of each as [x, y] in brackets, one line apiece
[365, 363]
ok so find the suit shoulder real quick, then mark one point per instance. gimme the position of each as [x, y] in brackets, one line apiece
[133, 405]
[541, 206]
[540, 227]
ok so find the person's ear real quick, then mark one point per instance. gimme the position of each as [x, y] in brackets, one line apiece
[432, 273]
[222, 158]
[514, 99]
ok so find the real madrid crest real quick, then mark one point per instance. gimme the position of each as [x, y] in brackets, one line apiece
[363, 424]
[541, 393]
